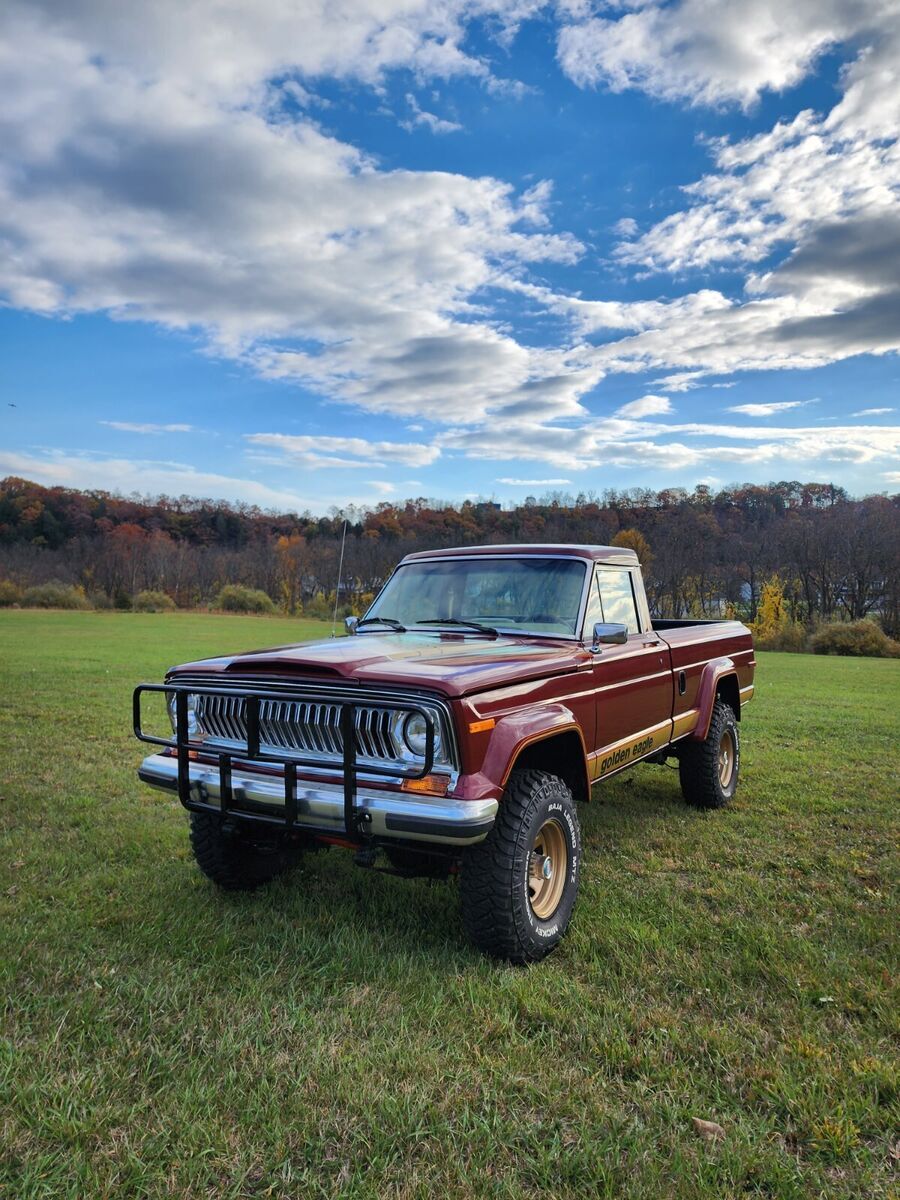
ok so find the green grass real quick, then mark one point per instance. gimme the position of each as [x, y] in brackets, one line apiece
[334, 1035]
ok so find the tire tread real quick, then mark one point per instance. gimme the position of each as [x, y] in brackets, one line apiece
[698, 763]
[486, 897]
[232, 864]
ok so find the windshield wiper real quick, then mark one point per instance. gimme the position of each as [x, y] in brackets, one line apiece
[465, 624]
[395, 625]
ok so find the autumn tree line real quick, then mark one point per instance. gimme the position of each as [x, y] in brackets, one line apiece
[806, 551]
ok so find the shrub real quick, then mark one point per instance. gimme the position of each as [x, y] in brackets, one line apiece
[54, 595]
[792, 638]
[234, 598]
[152, 601]
[10, 593]
[863, 638]
[771, 615]
[320, 607]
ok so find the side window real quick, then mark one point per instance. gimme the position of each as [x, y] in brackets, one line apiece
[594, 611]
[617, 598]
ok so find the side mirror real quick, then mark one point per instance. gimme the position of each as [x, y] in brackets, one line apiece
[350, 624]
[608, 635]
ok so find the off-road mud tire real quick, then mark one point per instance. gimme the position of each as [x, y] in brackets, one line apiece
[699, 766]
[494, 880]
[231, 859]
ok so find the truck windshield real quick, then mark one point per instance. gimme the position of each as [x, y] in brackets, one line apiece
[529, 595]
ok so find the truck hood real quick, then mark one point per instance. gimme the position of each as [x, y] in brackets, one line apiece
[456, 665]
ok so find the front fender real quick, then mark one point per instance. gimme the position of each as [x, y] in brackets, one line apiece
[513, 733]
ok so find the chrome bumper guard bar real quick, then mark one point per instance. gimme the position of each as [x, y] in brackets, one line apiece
[328, 808]
[391, 815]
[356, 819]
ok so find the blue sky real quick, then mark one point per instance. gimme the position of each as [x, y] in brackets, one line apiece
[307, 254]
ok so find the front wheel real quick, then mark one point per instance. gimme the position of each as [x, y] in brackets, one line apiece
[231, 859]
[709, 769]
[518, 887]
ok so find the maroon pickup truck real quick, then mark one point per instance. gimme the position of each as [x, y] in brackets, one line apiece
[482, 695]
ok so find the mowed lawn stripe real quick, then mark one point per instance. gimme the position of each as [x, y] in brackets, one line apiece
[334, 1035]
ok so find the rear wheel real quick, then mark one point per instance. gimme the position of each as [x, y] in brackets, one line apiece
[709, 769]
[518, 887]
[231, 859]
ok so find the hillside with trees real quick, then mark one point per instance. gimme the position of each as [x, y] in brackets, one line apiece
[821, 554]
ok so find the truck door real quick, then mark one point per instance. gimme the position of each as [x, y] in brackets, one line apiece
[632, 682]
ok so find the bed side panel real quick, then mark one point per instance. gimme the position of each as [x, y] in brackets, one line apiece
[692, 647]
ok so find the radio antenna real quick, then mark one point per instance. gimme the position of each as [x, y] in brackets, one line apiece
[337, 590]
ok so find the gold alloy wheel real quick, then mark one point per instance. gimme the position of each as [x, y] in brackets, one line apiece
[726, 758]
[547, 869]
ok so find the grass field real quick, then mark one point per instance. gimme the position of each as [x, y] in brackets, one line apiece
[334, 1035]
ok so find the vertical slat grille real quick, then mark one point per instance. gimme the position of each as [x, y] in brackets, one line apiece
[310, 728]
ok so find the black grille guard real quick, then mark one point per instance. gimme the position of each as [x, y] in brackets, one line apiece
[355, 817]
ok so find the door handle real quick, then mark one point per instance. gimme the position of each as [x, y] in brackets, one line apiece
[652, 643]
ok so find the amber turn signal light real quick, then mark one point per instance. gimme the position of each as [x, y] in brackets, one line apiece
[435, 785]
[482, 726]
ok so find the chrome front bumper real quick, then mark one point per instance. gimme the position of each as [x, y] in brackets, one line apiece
[320, 806]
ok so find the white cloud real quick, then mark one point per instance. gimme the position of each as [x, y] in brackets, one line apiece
[132, 427]
[747, 210]
[465, 370]
[313, 451]
[777, 187]
[383, 487]
[622, 442]
[147, 170]
[420, 117]
[626, 227]
[871, 412]
[797, 325]
[712, 51]
[147, 477]
[597, 316]
[891, 476]
[780, 187]
[225, 52]
[151, 169]
[681, 381]
[768, 410]
[534, 482]
[816, 312]
[647, 406]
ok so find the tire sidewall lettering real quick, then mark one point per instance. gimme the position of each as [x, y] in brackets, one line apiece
[555, 926]
[730, 726]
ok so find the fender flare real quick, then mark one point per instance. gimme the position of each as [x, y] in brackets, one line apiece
[517, 731]
[712, 675]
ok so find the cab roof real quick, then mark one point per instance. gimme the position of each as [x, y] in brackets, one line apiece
[619, 555]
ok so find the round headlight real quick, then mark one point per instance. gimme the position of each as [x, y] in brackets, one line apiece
[415, 735]
[193, 720]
